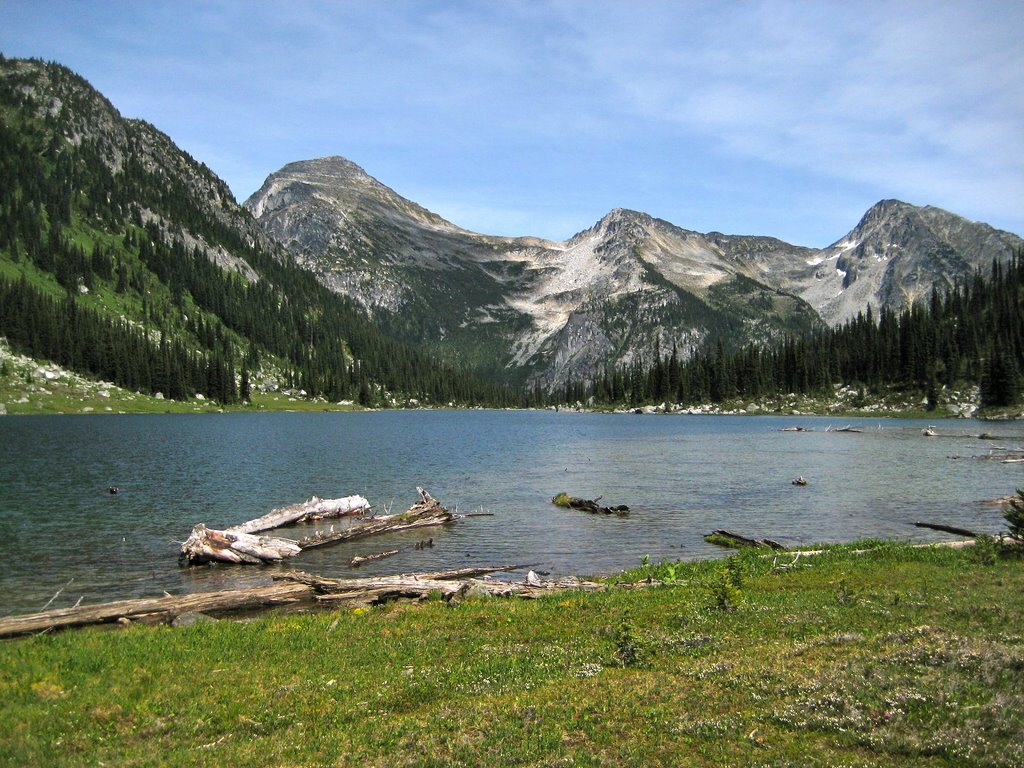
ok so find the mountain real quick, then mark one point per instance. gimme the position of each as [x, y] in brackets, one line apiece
[526, 308]
[895, 256]
[623, 290]
[124, 258]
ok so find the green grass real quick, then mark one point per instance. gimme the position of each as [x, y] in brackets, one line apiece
[897, 656]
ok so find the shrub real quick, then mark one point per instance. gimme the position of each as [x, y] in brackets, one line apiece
[1015, 516]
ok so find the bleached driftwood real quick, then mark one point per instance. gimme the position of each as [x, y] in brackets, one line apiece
[314, 509]
[445, 584]
[427, 512]
[206, 545]
[157, 610]
[233, 546]
[358, 560]
[292, 589]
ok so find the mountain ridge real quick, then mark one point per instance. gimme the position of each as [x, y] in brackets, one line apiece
[525, 310]
[617, 291]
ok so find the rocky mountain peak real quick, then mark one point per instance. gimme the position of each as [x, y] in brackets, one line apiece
[896, 254]
[333, 172]
[619, 224]
[886, 221]
[612, 291]
[337, 183]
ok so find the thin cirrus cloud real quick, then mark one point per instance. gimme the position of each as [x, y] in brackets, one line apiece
[921, 100]
[781, 118]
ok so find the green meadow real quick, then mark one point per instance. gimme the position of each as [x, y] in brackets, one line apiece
[890, 656]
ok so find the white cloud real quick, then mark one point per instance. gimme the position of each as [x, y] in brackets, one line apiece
[725, 113]
[923, 100]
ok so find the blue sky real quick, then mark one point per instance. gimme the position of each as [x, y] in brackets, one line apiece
[536, 118]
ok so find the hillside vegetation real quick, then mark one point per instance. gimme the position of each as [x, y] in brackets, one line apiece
[969, 336]
[123, 258]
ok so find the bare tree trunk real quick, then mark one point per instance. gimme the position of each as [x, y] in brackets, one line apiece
[314, 509]
[156, 610]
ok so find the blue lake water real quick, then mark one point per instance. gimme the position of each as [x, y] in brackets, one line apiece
[682, 476]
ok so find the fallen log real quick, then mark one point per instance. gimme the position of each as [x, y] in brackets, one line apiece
[358, 560]
[474, 572]
[157, 610]
[588, 505]
[323, 584]
[295, 588]
[427, 512]
[798, 553]
[947, 529]
[313, 509]
[381, 589]
[724, 538]
[1002, 501]
[205, 545]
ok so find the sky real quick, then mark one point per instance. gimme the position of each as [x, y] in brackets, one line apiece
[537, 117]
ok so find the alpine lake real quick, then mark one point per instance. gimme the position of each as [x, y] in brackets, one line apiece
[68, 538]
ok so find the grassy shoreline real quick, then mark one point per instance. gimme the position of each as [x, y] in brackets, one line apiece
[899, 655]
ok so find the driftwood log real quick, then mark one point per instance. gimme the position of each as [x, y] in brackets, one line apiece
[234, 545]
[947, 529]
[426, 512]
[724, 538]
[588, 505]
[358, 560]
[157, 610]
[206, 545]
[314, 509]
[448, 585]
[293, 589]
[1002, 501]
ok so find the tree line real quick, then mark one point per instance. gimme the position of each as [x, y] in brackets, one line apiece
[972, 334]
